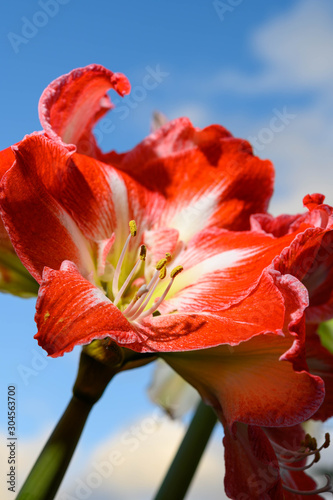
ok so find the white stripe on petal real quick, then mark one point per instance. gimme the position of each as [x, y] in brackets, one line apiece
[193, 217]
[212, 265]
[82, 244]
[120, 203]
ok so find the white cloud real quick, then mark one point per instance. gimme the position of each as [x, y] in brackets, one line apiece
[294, 50]
[133, 463]
[303, 157]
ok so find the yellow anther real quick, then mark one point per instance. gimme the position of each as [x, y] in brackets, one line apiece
[168, 256]
[143, 252]
[161, 263]
[162, 274]
[175, 271]
[132, 226]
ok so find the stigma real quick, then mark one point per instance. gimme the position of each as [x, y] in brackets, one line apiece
[140, 306]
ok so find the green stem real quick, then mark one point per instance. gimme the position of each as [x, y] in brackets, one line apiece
[47, 473]
[50, 468]
[184, 465]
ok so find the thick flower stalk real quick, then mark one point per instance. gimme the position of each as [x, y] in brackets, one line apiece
[158, 249]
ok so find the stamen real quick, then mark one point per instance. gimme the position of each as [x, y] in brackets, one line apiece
[135, 304]
[142, 303]
[308, 448]
[328, 488]
[162, 274]
[131, 274]
[161, 263]
[143, 252]
[288, 467]
[132, 226]
[141, 292]
[168, 257]
[309, 443]
[154, 307]
[176, 271]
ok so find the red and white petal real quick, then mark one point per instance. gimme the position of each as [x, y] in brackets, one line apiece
[310, 259]
[319, 216]
[7, 159]
[103, 200]
[252, 470]
[71, 311]
[249, 383]
[277, 226]
[220, 269]
[207, 177]
[159, 242]
[41, 231]
[175, 136]
[252, 379]
[70, 106]
[274, 306]
[103, 250]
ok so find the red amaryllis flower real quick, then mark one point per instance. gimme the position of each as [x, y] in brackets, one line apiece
[177, 281]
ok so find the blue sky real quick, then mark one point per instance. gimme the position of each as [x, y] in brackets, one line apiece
[262, 69]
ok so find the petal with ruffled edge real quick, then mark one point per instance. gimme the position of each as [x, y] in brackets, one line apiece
[263, 311]
[72, 311]
[310, 256]
[256, 381]
[246, 382]
[310, 259]
[206, 177]
[70, 106]
[250, 384]
[42, 232]
[220, 269]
